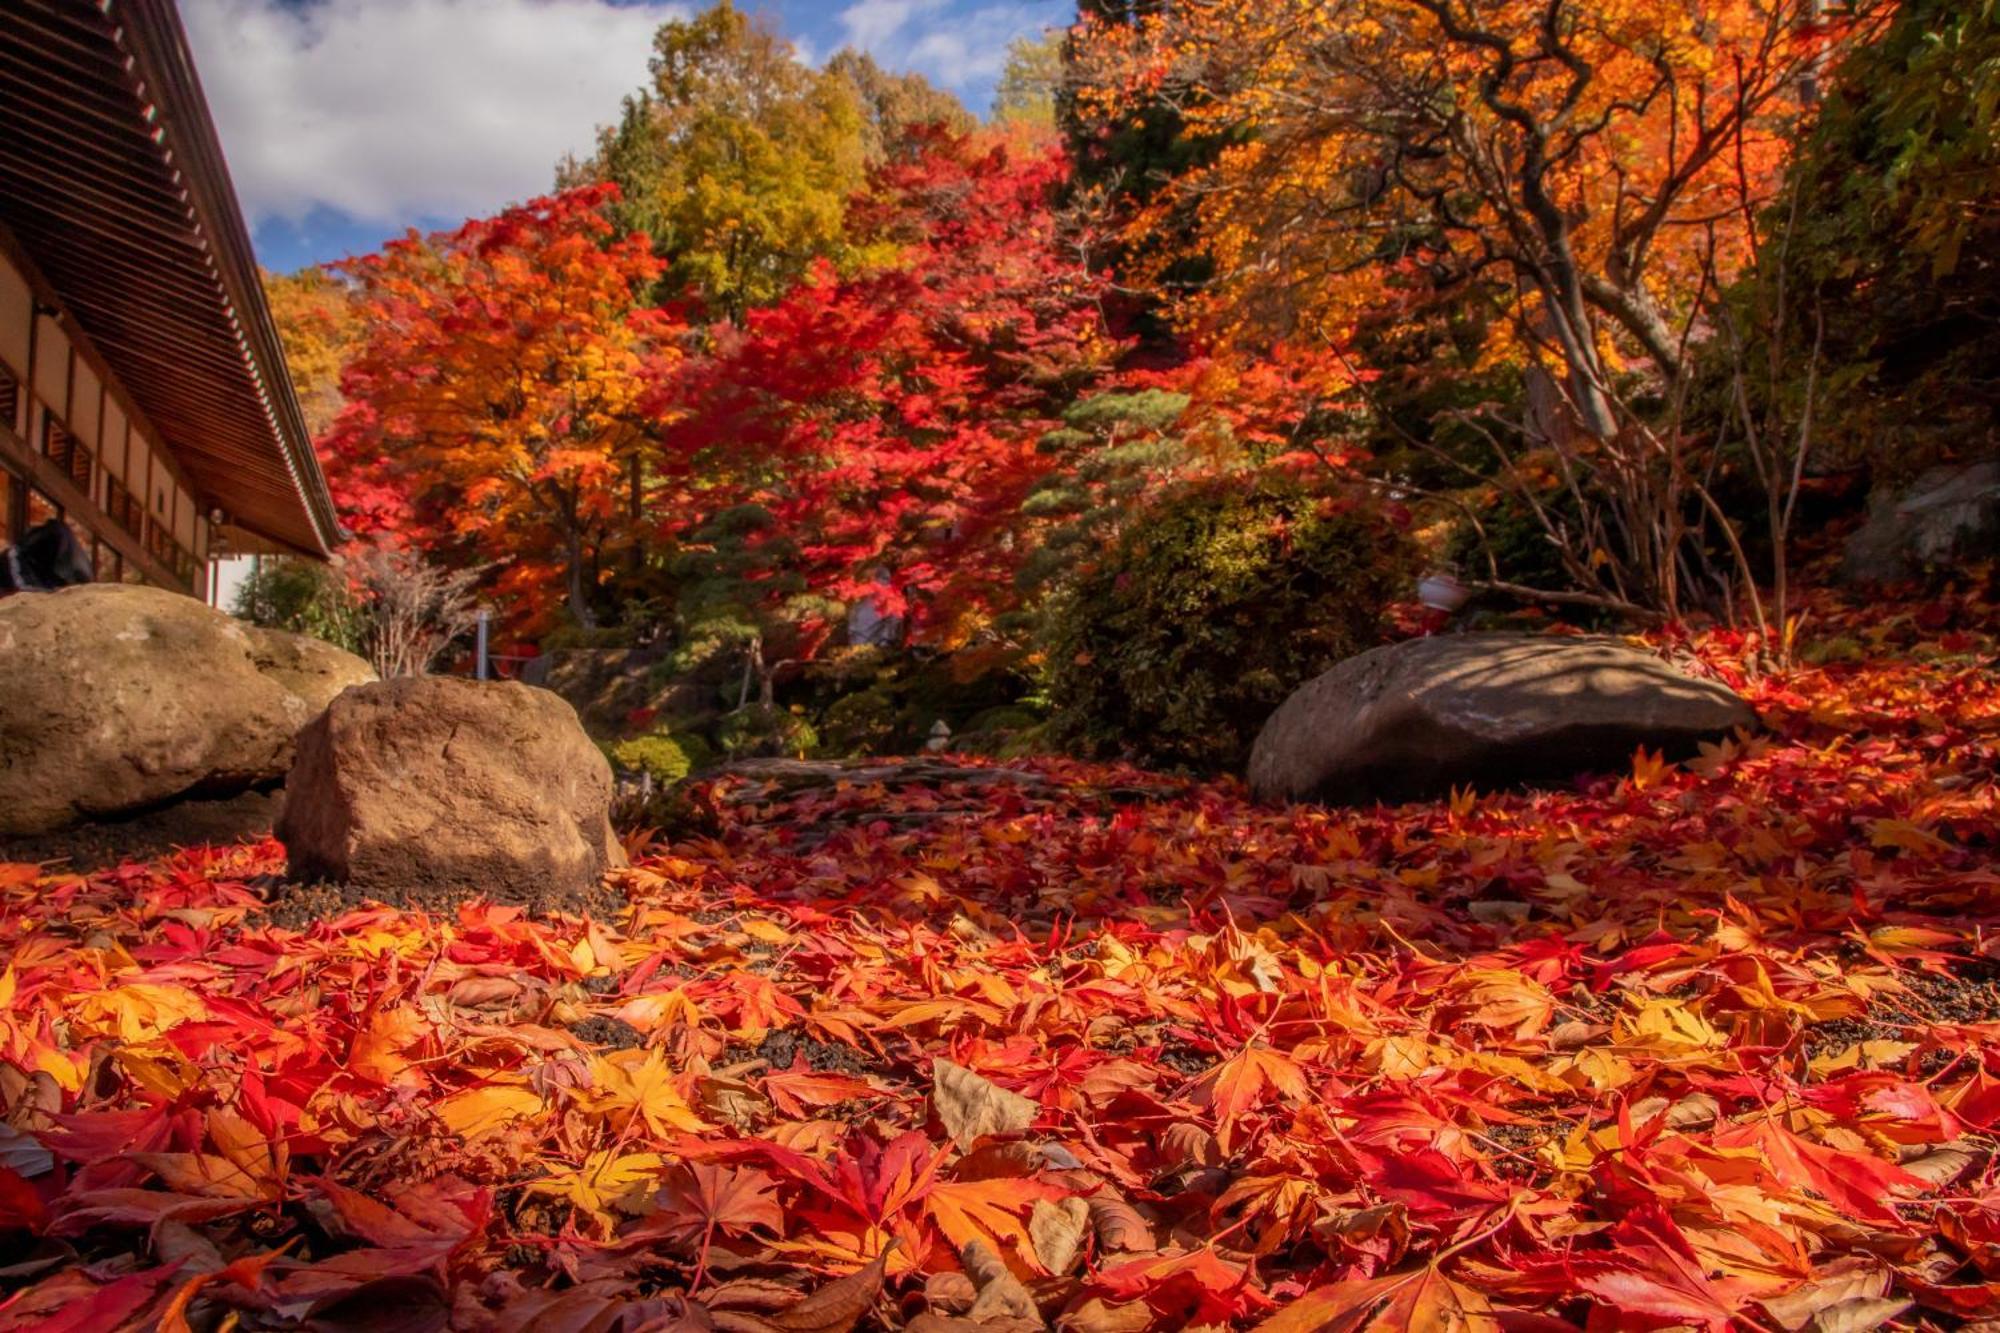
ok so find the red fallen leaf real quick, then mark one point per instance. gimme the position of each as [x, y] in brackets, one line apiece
[699, 1200]
[1430, 1184]
[1654, 1273]
[1859, 1183]
[1197, 1287]
[79, 1212]
[1978, 1102]
[21, 1208]
[798, 1091]
[1422, 1301]
[71, 1302]
[97, 1136]
[1884, 1095]
[1245, 1079]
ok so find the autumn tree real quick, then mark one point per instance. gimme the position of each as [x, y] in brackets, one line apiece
[896, 108]
[883, 427]
[316, 319]
[1583, 153]
[492, 408]
[737, 160]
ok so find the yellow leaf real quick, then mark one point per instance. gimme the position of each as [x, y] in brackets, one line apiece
[605, 1180]
[478, 1111]
[136, 1012]
[378, 1051]
[639, 1082]
[767, 932]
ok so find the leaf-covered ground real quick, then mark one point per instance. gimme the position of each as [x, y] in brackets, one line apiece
[1711, 1045]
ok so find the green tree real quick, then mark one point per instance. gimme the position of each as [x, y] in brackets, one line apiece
[896, 108]
[1030, 81]
[302, 597]
[738, 160]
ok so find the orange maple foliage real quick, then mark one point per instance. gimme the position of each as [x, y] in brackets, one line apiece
[1706, 1045]
[493, 398]
[1582, 165]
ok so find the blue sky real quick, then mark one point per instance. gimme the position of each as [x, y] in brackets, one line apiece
[346, 121]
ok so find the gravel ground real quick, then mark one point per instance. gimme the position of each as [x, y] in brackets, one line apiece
[148, 835]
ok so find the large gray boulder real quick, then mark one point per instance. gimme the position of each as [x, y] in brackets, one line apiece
[1948, 514]
[120, 698]
[1417, 718]
[431, 789]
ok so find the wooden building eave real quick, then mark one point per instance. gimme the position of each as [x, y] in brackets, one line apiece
[113, 183]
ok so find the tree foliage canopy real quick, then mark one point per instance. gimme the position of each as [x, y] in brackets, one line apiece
[738, 161]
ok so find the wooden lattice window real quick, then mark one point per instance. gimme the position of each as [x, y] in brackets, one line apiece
[124, 508]
[67, 452]
[10, 399]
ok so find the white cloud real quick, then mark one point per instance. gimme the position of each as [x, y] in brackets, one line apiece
[387, 110]
[954, 44]
[870, 24]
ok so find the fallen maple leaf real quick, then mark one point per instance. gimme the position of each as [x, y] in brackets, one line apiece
[972, 1108]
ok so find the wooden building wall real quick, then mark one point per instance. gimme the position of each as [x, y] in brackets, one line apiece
[71, 445]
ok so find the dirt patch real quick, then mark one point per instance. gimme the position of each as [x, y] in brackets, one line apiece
[612, 1033]
[296, 906]
[1836, 1035]
[150, 834]
[780, 1049]
[1958, 997]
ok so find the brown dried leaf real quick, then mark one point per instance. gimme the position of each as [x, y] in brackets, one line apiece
[933, 1323]
[1098, 1315]
[1001, 1295]
[1841, 1283]
[1859, 1316]
[1694, 1111]
[1188, 1144]
[1944, 1163]
[972, 1108]
[949, 1293]
[1057, 1230]
[1119, 1225]
[486, 993]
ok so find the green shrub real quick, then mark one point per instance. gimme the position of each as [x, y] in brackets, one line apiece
[1214, 604]
[304, 597]
[868, 721]
[666, 757]
[1513, 536]
[1004, 732]
[758, 733]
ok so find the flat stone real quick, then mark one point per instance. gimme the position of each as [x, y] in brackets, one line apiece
[1484, 711]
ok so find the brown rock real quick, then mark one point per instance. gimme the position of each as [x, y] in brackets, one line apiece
[1418, 718]
[120, 698]
[428, 790]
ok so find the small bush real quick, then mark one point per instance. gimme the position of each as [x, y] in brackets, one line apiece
[1215, 603]
[666, 758]
[304, 597]
[757, 733]
[868, 721]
